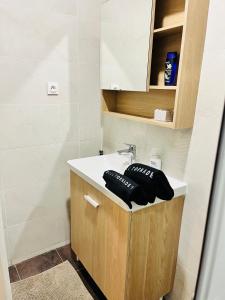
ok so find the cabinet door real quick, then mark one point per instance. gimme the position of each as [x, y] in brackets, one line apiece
[100, 237]
[125, 36]
[110, 249]
[83, 220]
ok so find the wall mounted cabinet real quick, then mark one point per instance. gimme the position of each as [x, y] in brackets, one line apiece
[125, 31]
[175, 25]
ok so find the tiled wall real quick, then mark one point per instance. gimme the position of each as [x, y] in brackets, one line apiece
[45, 41]
[172, 145]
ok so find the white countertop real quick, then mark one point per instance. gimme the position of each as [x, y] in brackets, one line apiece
[91, 169]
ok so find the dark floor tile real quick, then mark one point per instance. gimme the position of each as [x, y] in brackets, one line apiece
[38, 264]
[66, 253]
[13, 274]
[91, 285]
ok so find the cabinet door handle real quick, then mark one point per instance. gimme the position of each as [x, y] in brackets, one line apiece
[91, 201]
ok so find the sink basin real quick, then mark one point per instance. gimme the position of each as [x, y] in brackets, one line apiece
[92, 168]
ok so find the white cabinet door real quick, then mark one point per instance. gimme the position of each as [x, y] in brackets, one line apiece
[125, 35]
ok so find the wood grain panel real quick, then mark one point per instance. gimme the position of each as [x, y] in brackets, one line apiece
[111, 247]
[144, 104]
[140, 119]
[169, 12]
[83, 221]
[153, 250]
[190, 62]
[109, 100]
[100, 237]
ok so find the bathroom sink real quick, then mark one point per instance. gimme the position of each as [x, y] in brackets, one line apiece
[92, 168]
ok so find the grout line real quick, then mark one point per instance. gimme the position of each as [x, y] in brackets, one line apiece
[17, 272]
[59, 254]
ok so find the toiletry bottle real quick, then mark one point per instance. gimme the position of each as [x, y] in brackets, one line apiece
[171, 68]
[155, 160]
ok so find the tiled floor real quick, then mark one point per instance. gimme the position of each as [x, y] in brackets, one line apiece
[50, 259]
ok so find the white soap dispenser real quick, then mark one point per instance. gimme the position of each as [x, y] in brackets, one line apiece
[155, 160]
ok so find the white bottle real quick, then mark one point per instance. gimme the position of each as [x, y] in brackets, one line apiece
[155, 160]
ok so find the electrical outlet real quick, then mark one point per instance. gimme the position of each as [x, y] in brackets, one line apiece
[53, 88]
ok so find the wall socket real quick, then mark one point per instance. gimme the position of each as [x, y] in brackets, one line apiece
[53, 88]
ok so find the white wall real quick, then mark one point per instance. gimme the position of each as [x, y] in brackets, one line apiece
[43, 41]
[5, 289]
[202, 153]
[212, 272]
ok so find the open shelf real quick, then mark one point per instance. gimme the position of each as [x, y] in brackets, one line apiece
[149, 121]
[162, 87]
[169, 12]
[162, 45]
[138, 106]
[168, 30]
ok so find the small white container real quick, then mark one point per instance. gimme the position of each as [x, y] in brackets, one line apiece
[163, 115]
[155, 160]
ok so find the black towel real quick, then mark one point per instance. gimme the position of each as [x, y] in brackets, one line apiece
[152, 180]
[125, 188]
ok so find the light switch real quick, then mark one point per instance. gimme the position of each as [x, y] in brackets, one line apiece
[53, 88]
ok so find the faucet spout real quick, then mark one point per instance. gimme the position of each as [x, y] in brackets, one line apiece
[130, 150]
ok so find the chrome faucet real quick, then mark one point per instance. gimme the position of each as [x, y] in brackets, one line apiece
[130, 150]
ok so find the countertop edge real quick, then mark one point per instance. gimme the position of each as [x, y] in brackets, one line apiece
[179, 192]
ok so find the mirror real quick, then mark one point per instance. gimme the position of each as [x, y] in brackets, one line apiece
[125, 36]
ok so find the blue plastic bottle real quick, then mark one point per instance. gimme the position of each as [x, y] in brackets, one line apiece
[171, 68]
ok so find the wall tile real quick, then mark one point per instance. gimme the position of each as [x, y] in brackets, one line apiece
[55, 6]
[27, 238]
[88, 10]
[2, 209]
[172, 145]
[24, 81]
[69, 122]
[31, 202]
[37, 34]
[45, 41]
[36, 164]
[89, 147]
[29, 125]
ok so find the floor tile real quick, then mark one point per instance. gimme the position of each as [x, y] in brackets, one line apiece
[13, 274]
[66, 253]
[38, 264]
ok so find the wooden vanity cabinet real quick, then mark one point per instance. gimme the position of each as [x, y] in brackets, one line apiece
[130, 255]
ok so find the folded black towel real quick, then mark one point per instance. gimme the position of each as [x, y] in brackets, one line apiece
[125, 188]
[152, 180]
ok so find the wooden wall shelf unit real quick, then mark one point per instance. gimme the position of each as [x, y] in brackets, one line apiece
[176, 25]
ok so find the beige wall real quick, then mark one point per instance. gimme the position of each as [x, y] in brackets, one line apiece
[5, 290]
[202, 153]
[43, 41]
[194, 164]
